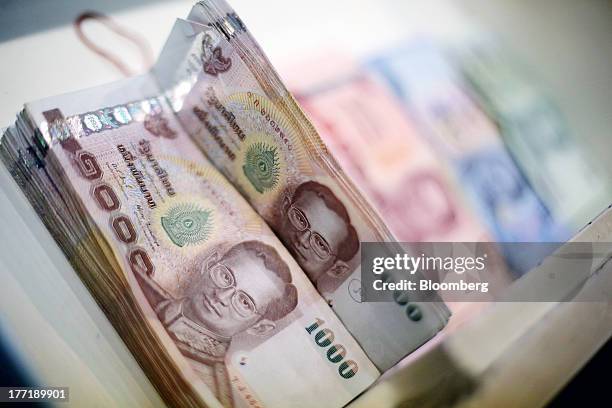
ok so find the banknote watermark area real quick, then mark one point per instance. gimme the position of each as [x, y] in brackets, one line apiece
[481, 271]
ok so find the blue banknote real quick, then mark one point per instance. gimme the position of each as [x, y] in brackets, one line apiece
[468, 141]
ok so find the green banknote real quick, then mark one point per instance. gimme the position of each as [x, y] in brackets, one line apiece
[536, 134]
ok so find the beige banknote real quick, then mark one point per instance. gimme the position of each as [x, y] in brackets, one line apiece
[225, 302]
[230, 100]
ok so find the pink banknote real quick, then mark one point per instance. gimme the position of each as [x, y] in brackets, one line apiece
[377, 145]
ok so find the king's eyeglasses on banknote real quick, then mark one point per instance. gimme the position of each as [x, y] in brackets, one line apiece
[318, 231]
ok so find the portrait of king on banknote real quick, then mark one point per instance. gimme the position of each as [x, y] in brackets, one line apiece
[317, 229]
[246, 289]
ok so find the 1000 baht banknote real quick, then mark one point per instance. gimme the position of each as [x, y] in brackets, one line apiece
[229, 99]
[223, 298]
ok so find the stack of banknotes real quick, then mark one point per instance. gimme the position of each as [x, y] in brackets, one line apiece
[221, 236]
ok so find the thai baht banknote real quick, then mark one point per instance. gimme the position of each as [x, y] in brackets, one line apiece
[241, 115]
[459, 130]
[536, 133]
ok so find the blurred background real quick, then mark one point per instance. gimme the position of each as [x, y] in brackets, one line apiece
[473, 81]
